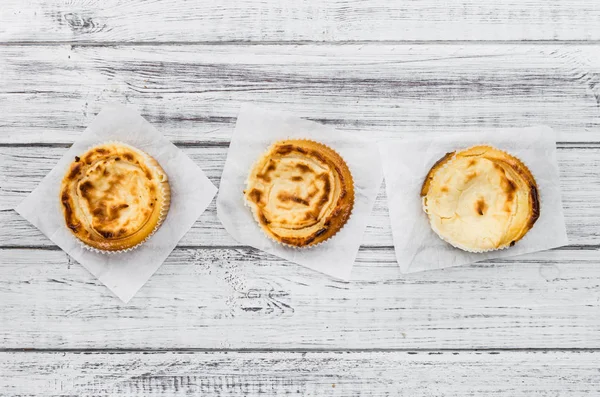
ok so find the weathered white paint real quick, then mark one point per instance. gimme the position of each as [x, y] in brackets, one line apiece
[191, 93]
[157, 374]
[237, 298]
[278, 20]
[22, 168]
[242, 298]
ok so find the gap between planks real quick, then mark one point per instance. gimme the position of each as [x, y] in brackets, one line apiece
[563, 145]
[303, 350]
[574, 247]
[291, 42]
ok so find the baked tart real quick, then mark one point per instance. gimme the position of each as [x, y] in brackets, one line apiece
[114, 197]
[301, 192]
[480, 199]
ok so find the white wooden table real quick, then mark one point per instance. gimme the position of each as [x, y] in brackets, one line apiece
[224, 319]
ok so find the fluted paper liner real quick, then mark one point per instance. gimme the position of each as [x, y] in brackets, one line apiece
[406, 164]
[124, 273]
[255, 131]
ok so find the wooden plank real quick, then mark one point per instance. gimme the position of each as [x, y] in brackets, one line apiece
[243, 298]
[284, 20]
[50, 93]
[22, 168]
[307, 374]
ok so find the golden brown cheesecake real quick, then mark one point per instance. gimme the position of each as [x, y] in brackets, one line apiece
[301, 192]
[114, 197]
[480, 199]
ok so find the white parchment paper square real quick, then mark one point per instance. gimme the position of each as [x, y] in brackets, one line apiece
[191, 193]
[407, 162]
[255, 131]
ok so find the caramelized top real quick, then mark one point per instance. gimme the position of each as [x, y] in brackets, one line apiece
[480, 199]
[111, 193]
[301, 192]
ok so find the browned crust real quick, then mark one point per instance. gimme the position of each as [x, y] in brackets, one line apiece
[343, 208]
[438, 164]
[108, 242]
[498, 155]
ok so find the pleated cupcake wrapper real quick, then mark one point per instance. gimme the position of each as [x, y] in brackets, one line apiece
[163, 209]
[312, 245]
[448, 163]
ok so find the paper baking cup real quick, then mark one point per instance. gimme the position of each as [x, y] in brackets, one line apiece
[448, 163]
[164, 209]
[310, 246]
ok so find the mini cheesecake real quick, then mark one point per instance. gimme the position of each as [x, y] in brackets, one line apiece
[480, 199]
[300, 192]
[114, 197]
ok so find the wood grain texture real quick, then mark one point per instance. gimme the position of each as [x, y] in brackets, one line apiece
[284, 20]
[22, 169]
[308, 374]
[187, 67]
[192, 93]
[242, 298]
